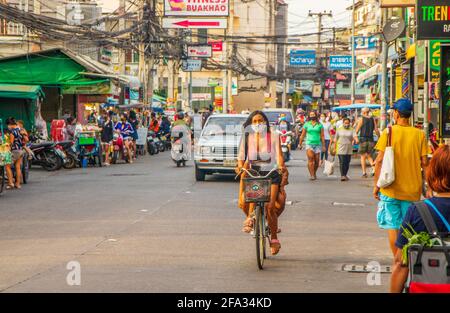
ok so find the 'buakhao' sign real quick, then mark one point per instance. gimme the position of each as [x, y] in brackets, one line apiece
[433, 19]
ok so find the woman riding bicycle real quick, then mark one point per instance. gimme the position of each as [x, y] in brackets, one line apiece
[260, 150]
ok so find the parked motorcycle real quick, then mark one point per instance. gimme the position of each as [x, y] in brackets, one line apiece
[46, 155]
[72, 159]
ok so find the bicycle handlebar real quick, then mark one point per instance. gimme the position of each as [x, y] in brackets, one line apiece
[253, 176]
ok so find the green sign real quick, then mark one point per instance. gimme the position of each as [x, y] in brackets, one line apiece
[435, 59]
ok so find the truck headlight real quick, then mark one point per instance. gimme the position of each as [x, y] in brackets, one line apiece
[205, 150]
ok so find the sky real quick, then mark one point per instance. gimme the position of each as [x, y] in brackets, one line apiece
[299, 22]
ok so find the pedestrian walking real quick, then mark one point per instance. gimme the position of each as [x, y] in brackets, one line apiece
[438, 180]
[315, 143]
[107, 135]
[344, 140]
[324, 120]
[366, 127]
[410, 158]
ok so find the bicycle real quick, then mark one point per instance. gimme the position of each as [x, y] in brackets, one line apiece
[257, 190]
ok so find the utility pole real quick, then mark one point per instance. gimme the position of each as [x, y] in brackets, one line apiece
[384, 59]
[353, 89]
[319, 24]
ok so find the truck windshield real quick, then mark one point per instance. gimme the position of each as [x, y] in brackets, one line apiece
[217, 126]
[274, 115]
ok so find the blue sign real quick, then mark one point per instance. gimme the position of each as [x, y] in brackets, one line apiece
[302, 58]
[340, 62]
[366, 43]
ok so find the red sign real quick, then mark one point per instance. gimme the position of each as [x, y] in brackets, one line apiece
[217, 46]
[330, 83]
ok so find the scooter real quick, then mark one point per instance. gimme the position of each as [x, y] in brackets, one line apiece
[179, 151]
[152, 148]
[68, 147]
[119, 150]
[46, 155]
[286, 141]
[160, 146]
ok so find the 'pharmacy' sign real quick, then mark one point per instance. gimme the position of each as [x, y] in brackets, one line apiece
[433, 19]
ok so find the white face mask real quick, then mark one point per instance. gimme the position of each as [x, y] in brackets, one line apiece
[322, 119]
[258, 128]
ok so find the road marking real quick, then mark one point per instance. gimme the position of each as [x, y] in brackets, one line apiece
[348, 204]
[112, 240]
[144, 210]
[357, 268]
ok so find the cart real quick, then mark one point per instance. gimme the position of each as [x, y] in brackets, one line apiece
[89, 148]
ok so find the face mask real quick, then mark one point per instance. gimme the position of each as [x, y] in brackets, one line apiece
[322, 119]
[313, 118]
[258, 128]
[347, 126]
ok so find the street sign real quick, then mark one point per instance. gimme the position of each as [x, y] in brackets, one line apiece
[317, 91]
[340, 62]
[203, 51]
[302, 58]
[191, 65]
[210, 23]
[196, 8]
[433, 19]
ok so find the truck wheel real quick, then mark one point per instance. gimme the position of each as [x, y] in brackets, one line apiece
[199, 174]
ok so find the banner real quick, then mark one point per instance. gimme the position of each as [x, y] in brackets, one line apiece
[445, 95]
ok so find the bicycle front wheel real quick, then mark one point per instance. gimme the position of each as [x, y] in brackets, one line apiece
[260, 236]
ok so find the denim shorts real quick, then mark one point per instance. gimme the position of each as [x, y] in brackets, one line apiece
[315, 148]
[391, 212]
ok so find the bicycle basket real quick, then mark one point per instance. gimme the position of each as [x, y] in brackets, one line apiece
[257, 189]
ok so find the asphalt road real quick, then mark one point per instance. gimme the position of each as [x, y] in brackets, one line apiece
[149, 227]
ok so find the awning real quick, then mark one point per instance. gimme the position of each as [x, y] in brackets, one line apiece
[357, 106]
[20, 91]
[46, 68]
[369, 74]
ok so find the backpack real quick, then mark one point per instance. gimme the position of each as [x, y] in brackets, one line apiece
[429, 267]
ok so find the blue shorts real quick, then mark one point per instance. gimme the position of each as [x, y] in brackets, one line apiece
[315, 148]
[391, 212]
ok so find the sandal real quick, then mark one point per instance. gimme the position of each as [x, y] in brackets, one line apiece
[275, 246]
[248, 225]
[9, 187]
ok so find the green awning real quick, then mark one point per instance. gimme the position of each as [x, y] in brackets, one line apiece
[50, 69]
[20, 91]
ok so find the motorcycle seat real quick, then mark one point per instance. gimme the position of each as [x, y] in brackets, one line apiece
[41, 145]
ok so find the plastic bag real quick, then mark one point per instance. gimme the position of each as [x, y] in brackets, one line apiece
[328, 168]
[387, 174]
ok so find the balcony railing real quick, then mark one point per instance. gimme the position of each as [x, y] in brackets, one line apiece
[11, 29]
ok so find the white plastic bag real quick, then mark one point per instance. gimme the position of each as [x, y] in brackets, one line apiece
[328, 168]
[387, 174]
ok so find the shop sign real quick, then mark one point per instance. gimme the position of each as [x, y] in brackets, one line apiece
[191, 65]
[302, 58]
[217, 46]
[433, 19]
[445, 95]
[340, 62]
[97, 89]
[196, 7]
[203, 51]
[366, 43]
[397, 3]
[435, 59]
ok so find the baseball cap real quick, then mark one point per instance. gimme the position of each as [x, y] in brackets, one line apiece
[403, 105]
